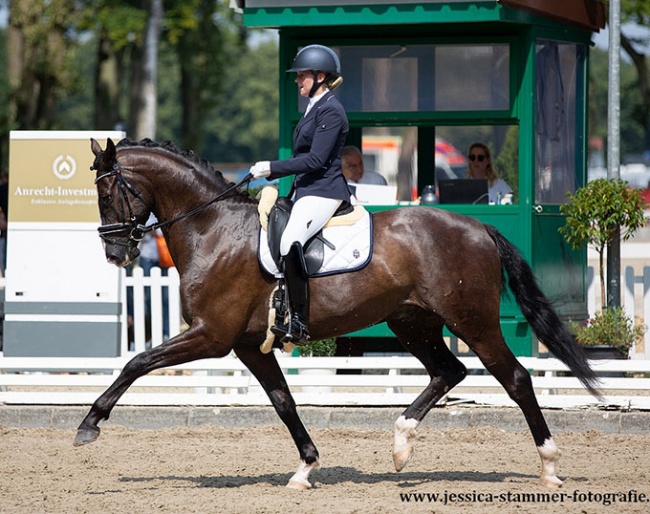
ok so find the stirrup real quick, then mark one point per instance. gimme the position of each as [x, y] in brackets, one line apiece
[297, 333]
[280, 329]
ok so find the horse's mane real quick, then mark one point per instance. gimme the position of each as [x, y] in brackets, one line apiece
[187, 154]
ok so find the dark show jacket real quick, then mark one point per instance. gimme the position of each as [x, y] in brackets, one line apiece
[318, 141]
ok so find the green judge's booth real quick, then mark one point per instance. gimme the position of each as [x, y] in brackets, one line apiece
[425, 80]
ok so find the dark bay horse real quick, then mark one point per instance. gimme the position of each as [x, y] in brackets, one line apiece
[430, 268]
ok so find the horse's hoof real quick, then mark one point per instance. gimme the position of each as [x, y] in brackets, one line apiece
[299, 485]
[403, 457]
[86, 435]
[552, 482]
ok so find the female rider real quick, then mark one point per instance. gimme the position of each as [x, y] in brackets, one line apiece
[319, 187]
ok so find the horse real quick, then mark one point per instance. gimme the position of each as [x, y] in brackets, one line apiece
[429, 268]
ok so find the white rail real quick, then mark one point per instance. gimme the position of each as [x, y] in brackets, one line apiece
[395, 380]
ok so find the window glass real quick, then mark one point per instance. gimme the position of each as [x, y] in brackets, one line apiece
[411, 78]
[393, 153]
[560, 69]
[471, 77]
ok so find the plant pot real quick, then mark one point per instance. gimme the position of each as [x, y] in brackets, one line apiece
[604, 351]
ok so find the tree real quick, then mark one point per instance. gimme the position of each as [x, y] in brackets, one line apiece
[596, 212]
[38, 41]
[117, 28]
[638, 11]
[243, 126]
[207, 44]
[145, 70]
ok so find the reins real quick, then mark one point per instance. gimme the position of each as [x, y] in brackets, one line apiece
[170, 222]
[132, 229]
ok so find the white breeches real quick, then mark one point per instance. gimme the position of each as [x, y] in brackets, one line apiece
[308, 216]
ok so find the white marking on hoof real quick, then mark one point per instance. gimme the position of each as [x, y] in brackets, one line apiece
[402, 447]
[300, 479]
[550, 455]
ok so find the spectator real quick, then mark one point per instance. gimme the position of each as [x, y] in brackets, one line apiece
[480, 166]
[352, 163]
[149, 258]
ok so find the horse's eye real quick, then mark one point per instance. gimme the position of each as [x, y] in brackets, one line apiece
[106, 200]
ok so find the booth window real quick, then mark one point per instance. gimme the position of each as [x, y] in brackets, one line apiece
[393, 152]
[412, 78]
[560, 74]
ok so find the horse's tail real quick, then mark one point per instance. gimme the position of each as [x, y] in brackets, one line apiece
[539, 312]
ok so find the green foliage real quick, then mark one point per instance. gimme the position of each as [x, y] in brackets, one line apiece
[632, 132]
[318, 348]
[610, 327]
[243, 127]
[595, 211]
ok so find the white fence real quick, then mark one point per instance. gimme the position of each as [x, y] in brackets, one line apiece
[391, 380]
[395, 380]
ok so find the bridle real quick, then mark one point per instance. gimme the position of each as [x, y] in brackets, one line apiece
[131, 229]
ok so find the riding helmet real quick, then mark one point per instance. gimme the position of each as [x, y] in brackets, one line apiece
[317, 58]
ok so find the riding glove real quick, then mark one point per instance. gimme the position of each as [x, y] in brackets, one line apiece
[261, 169]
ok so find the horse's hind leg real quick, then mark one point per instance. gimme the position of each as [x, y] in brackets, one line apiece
[500, 361]
[423, 338]
[266, 369]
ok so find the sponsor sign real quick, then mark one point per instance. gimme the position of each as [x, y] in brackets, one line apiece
[50, 180]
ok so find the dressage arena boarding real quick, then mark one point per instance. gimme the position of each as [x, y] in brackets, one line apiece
[201, 437]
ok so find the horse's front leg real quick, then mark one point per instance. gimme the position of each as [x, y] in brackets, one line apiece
[266, 369]
[188, 346]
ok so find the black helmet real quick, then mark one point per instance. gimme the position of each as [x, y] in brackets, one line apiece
[317, 58]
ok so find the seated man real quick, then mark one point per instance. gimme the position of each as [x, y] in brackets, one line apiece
[352, 164]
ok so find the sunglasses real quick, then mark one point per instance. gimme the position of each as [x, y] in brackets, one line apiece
[480, 158]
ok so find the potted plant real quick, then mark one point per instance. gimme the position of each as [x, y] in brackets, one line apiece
[596, 214]
[317, 348]
[609, 335]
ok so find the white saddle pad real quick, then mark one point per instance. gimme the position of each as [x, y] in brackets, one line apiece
[352, 243]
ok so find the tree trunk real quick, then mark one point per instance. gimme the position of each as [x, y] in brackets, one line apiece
[107, 86]
[192, 119]
[36, 52]
[145, 91]
[640, 62]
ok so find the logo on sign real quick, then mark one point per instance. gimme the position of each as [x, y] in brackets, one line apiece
[64, 168]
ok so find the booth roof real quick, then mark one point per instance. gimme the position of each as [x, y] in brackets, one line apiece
[590, 14]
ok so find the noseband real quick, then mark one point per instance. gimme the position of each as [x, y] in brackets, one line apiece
[131, 229]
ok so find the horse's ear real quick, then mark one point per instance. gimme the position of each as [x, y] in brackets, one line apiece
[94, 146]
[110, 149]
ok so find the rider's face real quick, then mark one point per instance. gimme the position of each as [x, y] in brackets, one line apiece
[305, 81]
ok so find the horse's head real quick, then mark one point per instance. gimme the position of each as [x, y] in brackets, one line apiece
[122, 209]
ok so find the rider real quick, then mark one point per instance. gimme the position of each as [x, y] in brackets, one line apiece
[319, 188]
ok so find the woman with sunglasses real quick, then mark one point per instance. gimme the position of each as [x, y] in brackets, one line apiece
[480, 166]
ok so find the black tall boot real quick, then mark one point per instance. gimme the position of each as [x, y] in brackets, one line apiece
[296, 280]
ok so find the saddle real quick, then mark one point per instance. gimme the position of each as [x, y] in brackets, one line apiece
[314, 249]
[274, 215]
